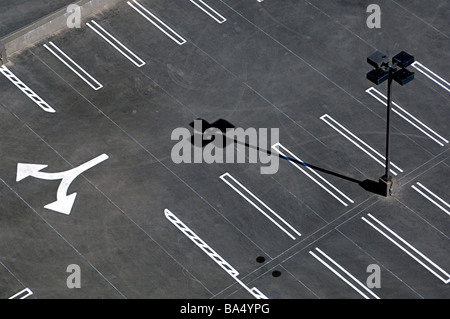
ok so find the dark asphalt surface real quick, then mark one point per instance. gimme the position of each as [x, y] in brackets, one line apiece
[270, 65]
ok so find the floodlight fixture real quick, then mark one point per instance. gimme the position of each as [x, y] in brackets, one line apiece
[377, 59]
[378, 76]
[403, 59]
[403, 76]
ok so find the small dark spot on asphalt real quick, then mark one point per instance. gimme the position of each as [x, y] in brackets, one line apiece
[276, 273]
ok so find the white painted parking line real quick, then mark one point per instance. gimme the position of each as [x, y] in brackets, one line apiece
[97, 85]
[430, 199]
[64, 202]
[431, 75]
[408, 117]
[414, 253]
[211, 253]
[261, 207]
[336, 272]
[358, 142]
[294, 160]
[158, 23]
[26, 90]
[22, 294]
[133, 58]
[209, 11]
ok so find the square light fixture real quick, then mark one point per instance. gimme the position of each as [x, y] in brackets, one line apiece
[378, 76]
[377, 59]
[403, 76]
[403, 59]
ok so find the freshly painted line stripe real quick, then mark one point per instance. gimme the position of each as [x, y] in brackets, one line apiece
[96, 88]
[210, 11]
[409, 118]
[314, 172]
[338, 274]
[323, 118]
[446, 281]
[258, 207]
[164, 28]
[137, 61]
[431, 75]
[210, 252]
[430, 199]
[201, 244]
[26, 90]
[20, 293]
[347, 273]
[440, 199]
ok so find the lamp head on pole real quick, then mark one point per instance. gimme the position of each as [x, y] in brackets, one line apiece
[403, 59]
[378, 59]
[381, 65]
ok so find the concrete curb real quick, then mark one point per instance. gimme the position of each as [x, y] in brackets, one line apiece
[44, 27]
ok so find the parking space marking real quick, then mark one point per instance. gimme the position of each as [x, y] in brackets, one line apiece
[408, 117]
[431, 75]
[430, 199]
[97, 28]
[22, 294]
[98, 85]
[258, 207]
[211, 253]
[209, 11]
[358, 142]
[158, 23]
[415, 254]
[336, 272]
[26, 90]
[294, 160]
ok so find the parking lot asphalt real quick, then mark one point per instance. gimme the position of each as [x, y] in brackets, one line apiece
[88, 175]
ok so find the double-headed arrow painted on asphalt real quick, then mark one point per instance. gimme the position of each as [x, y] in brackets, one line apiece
[64, 202]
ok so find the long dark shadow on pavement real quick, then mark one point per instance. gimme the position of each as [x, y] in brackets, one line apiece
[368, 185]
[223, 125]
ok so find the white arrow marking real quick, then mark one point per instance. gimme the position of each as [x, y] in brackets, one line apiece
[64, 202]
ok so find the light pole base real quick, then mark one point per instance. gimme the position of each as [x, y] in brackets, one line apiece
[385, 186]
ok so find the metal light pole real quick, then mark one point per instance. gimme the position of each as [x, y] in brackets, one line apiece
[388, 127]
[389, 71]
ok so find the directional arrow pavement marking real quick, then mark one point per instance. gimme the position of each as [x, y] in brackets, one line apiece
[64, 202]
